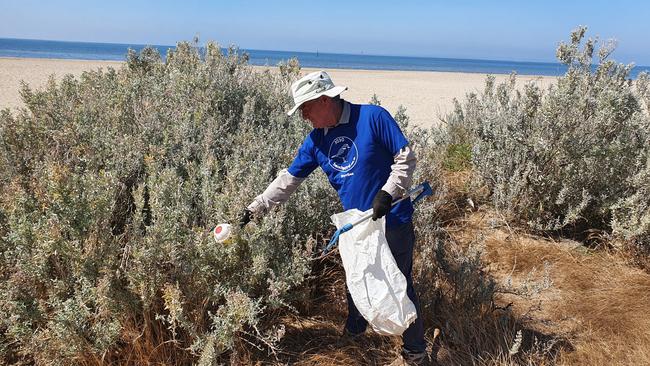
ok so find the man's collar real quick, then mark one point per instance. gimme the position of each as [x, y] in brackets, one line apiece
[345, 116]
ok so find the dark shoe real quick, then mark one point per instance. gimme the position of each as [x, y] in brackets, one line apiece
[411, 359]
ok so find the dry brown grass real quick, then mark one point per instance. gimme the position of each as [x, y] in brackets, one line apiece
[598, 301]
[595, 313]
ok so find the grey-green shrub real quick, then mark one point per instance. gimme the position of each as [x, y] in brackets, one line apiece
[631, 214]
[564, 156]
[110, 184]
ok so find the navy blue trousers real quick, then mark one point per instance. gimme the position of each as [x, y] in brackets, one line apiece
[401, 240]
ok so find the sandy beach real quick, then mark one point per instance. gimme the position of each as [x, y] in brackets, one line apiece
[426, 95]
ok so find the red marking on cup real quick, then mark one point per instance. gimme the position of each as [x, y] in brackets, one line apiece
[218, 229]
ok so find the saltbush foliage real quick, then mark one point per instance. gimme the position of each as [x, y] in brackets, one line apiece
[632, 212]
[572, 156]
[110, 184]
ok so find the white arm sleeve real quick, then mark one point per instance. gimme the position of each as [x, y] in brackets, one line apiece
[401, 175]
[276, 193]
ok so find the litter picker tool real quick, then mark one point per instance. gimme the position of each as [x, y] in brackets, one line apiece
[420, 191]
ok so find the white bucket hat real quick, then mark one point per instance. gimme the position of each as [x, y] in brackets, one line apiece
[312, 86]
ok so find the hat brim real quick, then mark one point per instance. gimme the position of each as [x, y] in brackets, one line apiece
[330, 93]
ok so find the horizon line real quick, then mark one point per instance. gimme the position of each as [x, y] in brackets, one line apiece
[287, 51]
[305, 52]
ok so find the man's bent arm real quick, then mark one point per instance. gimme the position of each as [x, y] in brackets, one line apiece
[276, 193]
[401, 175]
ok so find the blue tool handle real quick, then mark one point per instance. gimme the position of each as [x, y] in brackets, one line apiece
[335, 238]
[426, 191]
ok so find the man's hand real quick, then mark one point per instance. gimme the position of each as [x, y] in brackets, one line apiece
[381, 204]
[244, 218]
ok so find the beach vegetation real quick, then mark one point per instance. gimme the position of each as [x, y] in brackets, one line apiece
[110, 184]
[458, 157]
[570, 159]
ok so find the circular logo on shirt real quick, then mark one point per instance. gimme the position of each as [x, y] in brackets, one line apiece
[343, 154]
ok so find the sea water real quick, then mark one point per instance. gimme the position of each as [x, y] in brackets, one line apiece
[117, 51]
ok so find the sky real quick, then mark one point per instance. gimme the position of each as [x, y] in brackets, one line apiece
[498, 30]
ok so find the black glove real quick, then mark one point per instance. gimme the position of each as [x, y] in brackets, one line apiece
[245, 218]
[381, 204]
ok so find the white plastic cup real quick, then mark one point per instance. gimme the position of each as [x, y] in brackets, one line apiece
[222, 233]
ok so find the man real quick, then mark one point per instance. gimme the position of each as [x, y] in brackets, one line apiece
[368, 161]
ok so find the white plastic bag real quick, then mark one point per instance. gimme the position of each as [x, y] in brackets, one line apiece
[376, 284]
